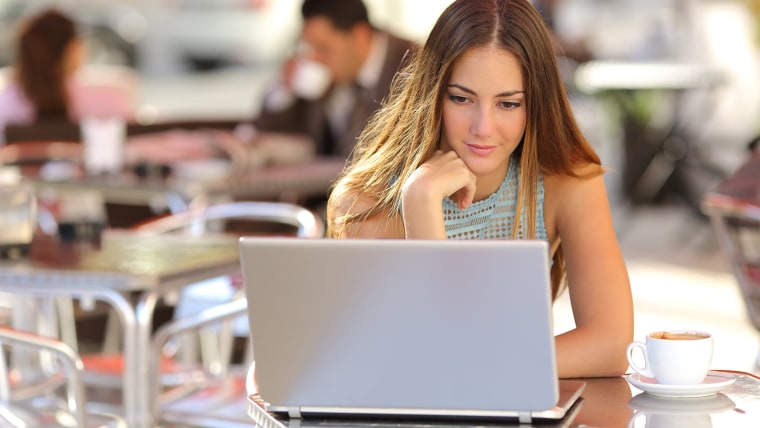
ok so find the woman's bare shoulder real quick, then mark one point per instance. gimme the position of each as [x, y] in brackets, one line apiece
[581, 174]
[350, 202]
[358, 207]
[568, 193]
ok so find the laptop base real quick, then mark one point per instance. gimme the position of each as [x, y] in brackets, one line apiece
[561, 415]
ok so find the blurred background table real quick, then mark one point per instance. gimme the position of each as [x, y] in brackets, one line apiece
[289, 183]
[657, 160]
[172, 170]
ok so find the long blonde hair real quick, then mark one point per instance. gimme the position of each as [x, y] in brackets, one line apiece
[406, 131]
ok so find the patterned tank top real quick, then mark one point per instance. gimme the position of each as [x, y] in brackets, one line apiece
[494, 217]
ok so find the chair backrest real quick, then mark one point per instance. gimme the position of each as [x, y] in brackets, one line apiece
[43, 130]
[734, 211]
[198, 221]
[738, 230]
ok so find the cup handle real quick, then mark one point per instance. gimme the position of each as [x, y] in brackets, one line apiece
[642, 370]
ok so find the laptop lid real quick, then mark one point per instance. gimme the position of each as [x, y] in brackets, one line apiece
[402, 327]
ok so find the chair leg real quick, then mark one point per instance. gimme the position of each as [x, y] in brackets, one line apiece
[113, 334]
[66, 322]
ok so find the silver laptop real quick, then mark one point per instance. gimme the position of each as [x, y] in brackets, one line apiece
[404, 329]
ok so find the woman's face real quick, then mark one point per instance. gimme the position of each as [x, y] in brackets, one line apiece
[484, 112]
[73, 57]
[339, 50]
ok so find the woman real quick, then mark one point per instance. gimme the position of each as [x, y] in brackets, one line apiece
[477, 129]
[46, 84]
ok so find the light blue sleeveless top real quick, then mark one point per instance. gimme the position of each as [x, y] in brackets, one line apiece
[494, 217]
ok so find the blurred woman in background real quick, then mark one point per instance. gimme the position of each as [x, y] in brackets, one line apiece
[46, 83]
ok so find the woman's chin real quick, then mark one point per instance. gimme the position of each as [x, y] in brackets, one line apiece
[484, 166]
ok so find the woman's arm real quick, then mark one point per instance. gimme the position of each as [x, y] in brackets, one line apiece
[598, 283]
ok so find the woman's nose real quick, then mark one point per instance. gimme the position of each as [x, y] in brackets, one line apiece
[482, 123]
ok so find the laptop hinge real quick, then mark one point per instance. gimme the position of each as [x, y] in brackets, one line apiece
[294, 412]
[524, 417]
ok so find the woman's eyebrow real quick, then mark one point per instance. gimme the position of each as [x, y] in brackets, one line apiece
[471, 92]
[509, 93]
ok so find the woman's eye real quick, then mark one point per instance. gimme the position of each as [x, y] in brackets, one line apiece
[509, 105]
[459, 99]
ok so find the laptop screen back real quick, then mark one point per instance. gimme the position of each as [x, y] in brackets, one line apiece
[401, 327]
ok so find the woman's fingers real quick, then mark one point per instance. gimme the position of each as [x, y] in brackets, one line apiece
[465, 195]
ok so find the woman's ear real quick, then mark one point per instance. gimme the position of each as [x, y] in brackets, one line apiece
[362, 34]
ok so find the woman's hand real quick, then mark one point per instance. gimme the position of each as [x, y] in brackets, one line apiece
[443, 175]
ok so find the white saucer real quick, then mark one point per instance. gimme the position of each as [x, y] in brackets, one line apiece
[714, 382]
[649, 403]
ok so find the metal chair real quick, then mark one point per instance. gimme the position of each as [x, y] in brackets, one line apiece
[39, 402]
[212, 218]
[239, 218]
[734, 211]
[206, 386]
[220, 401]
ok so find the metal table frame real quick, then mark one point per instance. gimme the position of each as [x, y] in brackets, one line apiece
[113, 288]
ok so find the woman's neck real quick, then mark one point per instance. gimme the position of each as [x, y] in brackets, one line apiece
[487, 185]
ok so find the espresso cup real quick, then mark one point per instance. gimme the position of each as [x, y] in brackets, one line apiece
[674, 357]
[310, 79]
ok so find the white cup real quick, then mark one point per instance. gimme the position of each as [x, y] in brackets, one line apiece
[674, 357]
[103, 140]
[310, 79]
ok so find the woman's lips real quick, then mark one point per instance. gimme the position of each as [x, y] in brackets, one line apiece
[481, 150]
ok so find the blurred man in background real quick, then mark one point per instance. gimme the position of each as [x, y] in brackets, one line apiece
[339, 77]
